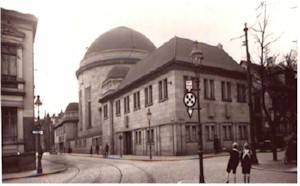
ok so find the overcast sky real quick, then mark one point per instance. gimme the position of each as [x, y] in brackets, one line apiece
[66, 28]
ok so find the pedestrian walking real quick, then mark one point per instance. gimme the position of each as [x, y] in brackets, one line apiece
[246, 158]
[216, 144]
[91, 150]
[233, 162]
[106, 150]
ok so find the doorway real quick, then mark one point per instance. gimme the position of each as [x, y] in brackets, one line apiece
[127, 143]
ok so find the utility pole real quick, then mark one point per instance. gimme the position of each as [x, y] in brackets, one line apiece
[250, 103]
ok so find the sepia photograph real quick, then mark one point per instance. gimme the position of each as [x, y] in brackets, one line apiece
[146, 92]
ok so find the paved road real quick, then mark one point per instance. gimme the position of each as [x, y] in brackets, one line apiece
[98, 170]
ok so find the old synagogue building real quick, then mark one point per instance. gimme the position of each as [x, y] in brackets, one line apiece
[123, 76]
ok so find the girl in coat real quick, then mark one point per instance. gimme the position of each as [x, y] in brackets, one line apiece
[233, 162]
[246, 158]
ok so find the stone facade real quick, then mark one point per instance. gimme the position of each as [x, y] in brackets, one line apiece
[170, 119]
[113, 108]
[65, 130]
[17, 90]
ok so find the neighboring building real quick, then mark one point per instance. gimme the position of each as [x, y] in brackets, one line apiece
[65, 131]
[127, 75]
[17, 90]
[285, 78]
[48, 134]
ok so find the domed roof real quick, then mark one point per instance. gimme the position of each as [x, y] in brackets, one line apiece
[72, 107]
[120, 38]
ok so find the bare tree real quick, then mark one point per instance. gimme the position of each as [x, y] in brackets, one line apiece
[270, 91]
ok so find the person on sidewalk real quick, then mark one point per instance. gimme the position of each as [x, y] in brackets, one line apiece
[233, 161]
[216, 144]
[106, 150]
[246, 158]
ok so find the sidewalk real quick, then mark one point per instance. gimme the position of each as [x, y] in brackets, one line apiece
[154, 158]
[48, 168]
[266, 163]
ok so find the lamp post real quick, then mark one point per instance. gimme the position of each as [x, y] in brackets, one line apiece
[38, 103]
[149, 114]
[197, 58]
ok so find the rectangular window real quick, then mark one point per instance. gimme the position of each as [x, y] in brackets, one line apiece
[9, 66]
[9, 125]
[160, 91]
[140, 137]
[88, 107]
[187, 134]
[212, 89]
[118, 108]
[194, 133]
[241, 93]
[210, 132]
[148, 96]
[226, 91]
[136, 137]
[136, 100]
[227, 132]
[243, 132]
[223, 91]
[80, 110]
[163, 90]
[152, 136]
[206, 90]
[126, 104]
[209, 89]
[105, 111]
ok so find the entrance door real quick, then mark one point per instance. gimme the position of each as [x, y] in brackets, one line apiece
[127, 143]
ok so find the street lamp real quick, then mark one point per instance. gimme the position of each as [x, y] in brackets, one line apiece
[149, 115]
[197, 57]
[38, 103]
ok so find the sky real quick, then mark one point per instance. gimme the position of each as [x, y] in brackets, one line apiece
[67, 28]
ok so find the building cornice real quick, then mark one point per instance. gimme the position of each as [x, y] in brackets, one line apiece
[174, 65]
[99, 63]
[26, 18]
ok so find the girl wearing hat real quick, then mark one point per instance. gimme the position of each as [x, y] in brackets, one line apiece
[246, 162]
[233, 161]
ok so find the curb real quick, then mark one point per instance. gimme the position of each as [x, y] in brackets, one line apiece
[275, 170]
[37, 175]
[118, 158]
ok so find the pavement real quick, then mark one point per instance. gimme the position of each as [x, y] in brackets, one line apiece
[154, 158]
[53, 168]
[48, 168]
[266, 163]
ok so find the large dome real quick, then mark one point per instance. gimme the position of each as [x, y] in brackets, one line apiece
[120, 38]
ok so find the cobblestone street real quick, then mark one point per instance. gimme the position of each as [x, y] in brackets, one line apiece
[85, 169]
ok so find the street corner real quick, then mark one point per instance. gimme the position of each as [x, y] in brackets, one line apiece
[50, 168]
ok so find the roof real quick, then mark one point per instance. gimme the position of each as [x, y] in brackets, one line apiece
[120, 38]
[178, 49]
[72, 107]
